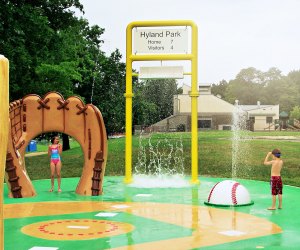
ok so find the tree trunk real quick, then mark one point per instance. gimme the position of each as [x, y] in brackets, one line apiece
[66, 142]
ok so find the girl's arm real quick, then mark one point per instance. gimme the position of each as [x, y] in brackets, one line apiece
[59, 148]
[49, 150]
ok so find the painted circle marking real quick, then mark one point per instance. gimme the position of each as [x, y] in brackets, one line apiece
[76, 229]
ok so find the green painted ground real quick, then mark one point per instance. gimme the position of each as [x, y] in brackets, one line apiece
[151, 230]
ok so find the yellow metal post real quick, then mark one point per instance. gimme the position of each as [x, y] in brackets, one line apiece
[3, 134]
[193, 57]
[128, 115]
[194, 94]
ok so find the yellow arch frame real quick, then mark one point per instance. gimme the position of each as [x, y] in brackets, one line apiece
[130, 58]
[3, 134]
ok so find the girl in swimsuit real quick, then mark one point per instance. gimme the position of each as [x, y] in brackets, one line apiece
[54, 152]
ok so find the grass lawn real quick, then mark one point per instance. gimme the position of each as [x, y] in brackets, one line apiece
[215, 155]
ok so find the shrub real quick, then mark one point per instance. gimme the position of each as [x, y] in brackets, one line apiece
[180, 128]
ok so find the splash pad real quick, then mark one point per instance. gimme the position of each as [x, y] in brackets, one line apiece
[172, 219]
[159, 181]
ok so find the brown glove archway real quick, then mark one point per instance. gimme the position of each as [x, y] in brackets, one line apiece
[34, 115]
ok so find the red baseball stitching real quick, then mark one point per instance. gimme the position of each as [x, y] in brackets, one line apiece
[233, 193]
[210, 194]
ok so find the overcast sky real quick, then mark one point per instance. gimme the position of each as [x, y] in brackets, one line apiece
[233, 34]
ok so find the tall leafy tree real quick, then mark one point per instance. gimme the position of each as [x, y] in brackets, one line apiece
[51, 49]
[294, 78]
[30, 35]
[245, 92]
[250, 75]
[144, 111]
[155, 98]
[108, 85]
[252, 85]
[273, 74]
[219, 89]
[295, 113]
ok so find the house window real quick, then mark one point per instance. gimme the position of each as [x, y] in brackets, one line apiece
[204, 124]
[269, 119]
[252, 119]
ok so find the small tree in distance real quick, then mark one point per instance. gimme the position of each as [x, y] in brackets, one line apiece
[295, 113]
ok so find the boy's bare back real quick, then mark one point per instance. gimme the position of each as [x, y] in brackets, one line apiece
[276, 163]
[276, 167]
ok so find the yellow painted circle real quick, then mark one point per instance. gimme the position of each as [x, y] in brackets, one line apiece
[78, 229]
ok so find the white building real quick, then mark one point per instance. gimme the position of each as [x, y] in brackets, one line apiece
[215, 113]
[262, 117]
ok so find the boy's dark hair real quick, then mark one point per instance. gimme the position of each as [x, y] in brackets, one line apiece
[276, 152]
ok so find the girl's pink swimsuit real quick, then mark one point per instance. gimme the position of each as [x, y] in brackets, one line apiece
[55, 157]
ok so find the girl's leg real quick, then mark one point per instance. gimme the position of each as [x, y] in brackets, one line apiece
[52, 168]
[58, 168]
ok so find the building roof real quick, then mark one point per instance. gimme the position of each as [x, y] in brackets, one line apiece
[209, 103]
[254, 107]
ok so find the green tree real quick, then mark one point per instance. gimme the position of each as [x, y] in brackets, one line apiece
[273, 74]
[144, 111]
[294, 77]
[283, 92]
[252, 85]
[105, 87]
[245, 92]
[56, 77]
[295, 113]
[219, 89]
[30, 34]
[250, 75]
[51, 49]
[154, 100]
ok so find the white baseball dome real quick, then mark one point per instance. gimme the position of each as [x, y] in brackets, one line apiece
[228, 193]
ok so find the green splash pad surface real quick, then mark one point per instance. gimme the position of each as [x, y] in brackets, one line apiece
[116, 191]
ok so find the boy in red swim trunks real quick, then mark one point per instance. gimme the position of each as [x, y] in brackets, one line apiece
[276, 183]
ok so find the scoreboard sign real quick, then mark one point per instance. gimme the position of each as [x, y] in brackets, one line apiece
[160, 41]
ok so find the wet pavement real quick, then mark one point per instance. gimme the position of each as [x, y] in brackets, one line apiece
[127, 217]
